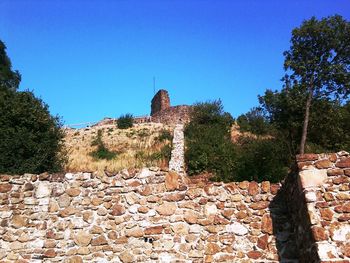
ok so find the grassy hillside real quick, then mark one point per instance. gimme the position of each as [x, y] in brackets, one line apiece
[146, 144]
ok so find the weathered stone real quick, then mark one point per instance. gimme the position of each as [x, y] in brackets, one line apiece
[263, 242]
[306, 157]
[266, 224]
[191, 217]
[210, 209]
[344, 163]
[341, 233]
[180, 228]
[82, 238]
[172, 181]
[166, 209]
[64, 201]
[117, 210]
[126, 257]
[73, 192]
[323, 164]
[326, 214]
[67, 211]
[237, 229]
[27, 187]
[265, 187]
[319, 233]
[312, 177]
[253, 188]
[134, 232]
[243, 185]
[99, 241]
[4, 188]
[259, 205]
[211, 249]
[43, 189]
[155, 230]
[75, 259]
[19, 221]
[254, 254]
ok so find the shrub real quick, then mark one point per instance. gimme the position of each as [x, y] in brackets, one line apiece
[208, 144]
[164, 135]
[262, 160]
[101, 152]
[125, 121]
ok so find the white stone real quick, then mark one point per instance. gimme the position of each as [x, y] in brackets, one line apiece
[312, 177]
[145, 172]
[77, 222]
[151, 213]
[29, 201]
[195, 229]
[5, 214]
[210, 209]
[133, 208]
[237, 229]
[69, 176]
[342, 233]
[165, 258]
[43, 190]
[326, 250]
[39, 243]
[44, 201]
[242, 244]
[310, 197]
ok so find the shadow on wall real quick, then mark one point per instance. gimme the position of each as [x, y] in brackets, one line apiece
[291, 224]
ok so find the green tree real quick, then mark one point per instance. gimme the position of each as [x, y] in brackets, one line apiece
[255, 122]
[31, 139]
[318, 62]
[208, 144]
[8, 78]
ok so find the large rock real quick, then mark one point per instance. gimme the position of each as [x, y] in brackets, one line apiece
[312, 177]
[82, 238]
[43, 189]
[166, 209]
[4, 188]
[237, 229]
[19, 221]
[172, 181]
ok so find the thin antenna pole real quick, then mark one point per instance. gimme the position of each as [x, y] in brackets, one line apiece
[154, 85]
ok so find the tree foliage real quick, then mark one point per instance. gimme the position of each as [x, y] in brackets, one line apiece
[318, 62]
[208, 144]
[31, 139]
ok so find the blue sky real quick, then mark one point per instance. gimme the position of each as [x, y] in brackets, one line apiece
[92, 59]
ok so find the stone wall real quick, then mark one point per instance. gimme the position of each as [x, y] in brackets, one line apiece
[145, 216]
[160, 101]
[173, 115]
[320, 203]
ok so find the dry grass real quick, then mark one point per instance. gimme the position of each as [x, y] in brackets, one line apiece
[133, 146]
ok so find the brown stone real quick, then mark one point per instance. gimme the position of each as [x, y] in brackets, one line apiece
[75, 259]
[4, 188]
[19, 221]
[134, 232]
[345, 249]
[126, 257]
[145, 191]
[117, 210]
[73, 192]
[212, 249]
[263, 242]
[155, 230]
[67, 211]
[259, 205]
[347, 172]
[274, 188]
[343, 196]
[228, 213]
[328, 196]
[265, 187]
[266, 224]
[302, 165]
[344, 218]
[99, 241]
[326, 214]
[346, 207]
[335, 172]
[96, 201]
[253, 188]
[174, 197]
[191, 217]
[241, 215]
[143, 209]
[28, 187]
[243, 185]
[344, 163]
[121, 240]
[172, 181]
[82, 238]
[254, 254]
[341, 179]
[319, 233]
[323, 164]
[50, 253]
[306, 157]
[166, 209]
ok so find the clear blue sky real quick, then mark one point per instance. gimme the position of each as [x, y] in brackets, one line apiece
[91, 59]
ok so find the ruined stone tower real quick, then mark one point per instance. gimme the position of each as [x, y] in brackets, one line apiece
[162, 112]
[160, 102]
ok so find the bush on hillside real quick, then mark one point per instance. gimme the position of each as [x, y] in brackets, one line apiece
[208, 144]
[101, 152]
[125, 121]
